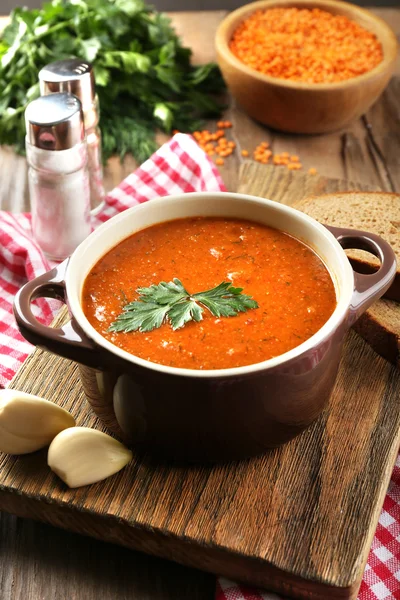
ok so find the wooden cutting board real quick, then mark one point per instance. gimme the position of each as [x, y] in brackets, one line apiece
[298, 520]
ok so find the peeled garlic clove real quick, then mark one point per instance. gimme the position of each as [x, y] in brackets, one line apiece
[81, 456]
[28, 423]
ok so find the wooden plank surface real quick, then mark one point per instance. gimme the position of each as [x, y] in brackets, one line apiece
[39, 561]
[367, 150]
[298, 520]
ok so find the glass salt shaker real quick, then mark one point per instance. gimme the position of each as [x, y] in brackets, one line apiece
[76, 76]
[57, 173]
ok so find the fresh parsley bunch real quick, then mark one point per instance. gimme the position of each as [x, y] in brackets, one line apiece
[145, 80]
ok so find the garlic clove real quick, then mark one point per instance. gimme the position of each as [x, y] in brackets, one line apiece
[81, 456]
[28, 423]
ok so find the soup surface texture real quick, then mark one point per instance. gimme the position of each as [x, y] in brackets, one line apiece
[290, 283]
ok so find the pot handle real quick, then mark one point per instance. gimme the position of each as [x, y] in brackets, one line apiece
[367, 287]
[69, 340]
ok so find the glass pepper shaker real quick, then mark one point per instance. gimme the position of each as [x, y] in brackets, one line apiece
[58, 175]
[76, 76]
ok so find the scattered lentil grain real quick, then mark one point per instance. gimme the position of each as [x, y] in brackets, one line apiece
[217, 144]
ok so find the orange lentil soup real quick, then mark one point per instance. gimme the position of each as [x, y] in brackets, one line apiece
[309, 45]
[290, 283]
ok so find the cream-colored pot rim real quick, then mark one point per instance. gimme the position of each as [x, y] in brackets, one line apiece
[164, 209]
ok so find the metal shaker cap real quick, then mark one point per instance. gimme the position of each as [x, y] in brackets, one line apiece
[55, 122]
[72, 75]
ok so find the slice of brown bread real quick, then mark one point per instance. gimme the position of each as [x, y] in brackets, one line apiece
[380, 327]
[377, 212]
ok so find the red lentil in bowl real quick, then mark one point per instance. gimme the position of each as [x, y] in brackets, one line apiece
[305, 102]
[302, 44]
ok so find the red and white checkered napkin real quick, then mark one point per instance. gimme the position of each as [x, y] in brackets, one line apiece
[179, 166]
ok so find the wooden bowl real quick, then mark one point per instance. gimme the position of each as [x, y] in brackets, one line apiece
[299, 107]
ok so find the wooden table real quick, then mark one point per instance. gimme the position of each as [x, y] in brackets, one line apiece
[41, 562]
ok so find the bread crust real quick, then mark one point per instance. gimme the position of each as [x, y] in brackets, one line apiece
[383, 336]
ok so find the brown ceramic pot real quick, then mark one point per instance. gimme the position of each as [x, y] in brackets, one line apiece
[207, 415]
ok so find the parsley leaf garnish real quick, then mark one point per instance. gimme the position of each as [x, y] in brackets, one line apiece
[183, 312]
[172, 302]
